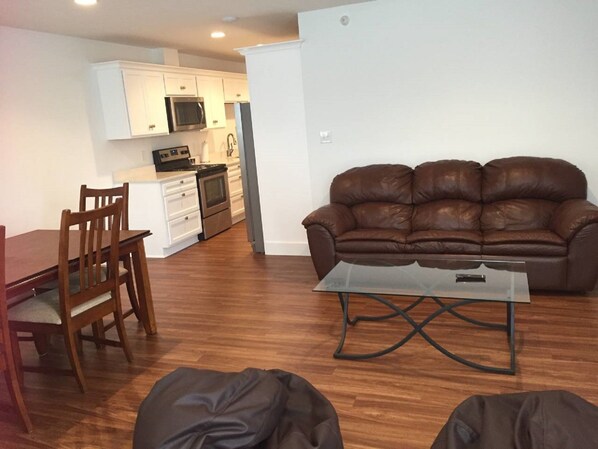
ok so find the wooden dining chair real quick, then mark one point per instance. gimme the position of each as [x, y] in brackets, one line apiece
[91, 198]
[94, 295]
[7, 362]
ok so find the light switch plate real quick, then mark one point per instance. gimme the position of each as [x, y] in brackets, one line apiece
[325, 137]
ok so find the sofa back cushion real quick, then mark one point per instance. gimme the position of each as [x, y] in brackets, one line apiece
[522, 193]
[447, 196]
[447, 215]
[449, 179]
[517, 215]
[532, 178]
[383, 215]
[375, 183]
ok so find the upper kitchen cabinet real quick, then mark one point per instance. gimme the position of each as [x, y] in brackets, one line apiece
[132, 101]
[210, 88]
[235, 89]
[176, 84]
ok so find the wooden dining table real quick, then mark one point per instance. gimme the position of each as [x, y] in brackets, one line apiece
[32, 260]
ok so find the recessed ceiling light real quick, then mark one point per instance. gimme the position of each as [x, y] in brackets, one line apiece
[217, 34]
[230, 19]
[86, 2]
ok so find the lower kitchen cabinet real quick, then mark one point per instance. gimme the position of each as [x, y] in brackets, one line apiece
[170, 210]
[235, 188]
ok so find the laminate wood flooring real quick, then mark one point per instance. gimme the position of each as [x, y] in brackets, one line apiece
[220, 307]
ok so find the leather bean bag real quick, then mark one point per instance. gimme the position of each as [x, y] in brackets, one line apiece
[201, 409]
[535, 420]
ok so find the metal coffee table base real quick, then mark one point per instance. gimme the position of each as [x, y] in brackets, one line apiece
[509, 327]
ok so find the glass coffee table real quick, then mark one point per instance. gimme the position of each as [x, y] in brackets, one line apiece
[451, 284]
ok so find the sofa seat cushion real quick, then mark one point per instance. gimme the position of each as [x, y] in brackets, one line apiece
[444, 242]
[539, 242]
[445, 236]
[372, 241]
[446, 247]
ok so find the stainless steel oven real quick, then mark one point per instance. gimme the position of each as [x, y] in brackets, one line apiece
[212, 183]
[214, 201]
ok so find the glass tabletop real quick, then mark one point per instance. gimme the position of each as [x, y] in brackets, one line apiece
[484, 280]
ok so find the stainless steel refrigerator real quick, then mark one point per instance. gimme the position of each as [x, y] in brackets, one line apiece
[251, 196]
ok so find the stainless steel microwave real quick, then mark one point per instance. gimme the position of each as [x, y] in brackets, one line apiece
[185, 113]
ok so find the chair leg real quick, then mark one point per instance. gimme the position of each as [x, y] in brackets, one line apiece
[131, 286]
[14, 389]
[79, 342]
[122, 334]
[70, 340]
[41, 344]
[16, 356]
[98, 332]
[14, 378]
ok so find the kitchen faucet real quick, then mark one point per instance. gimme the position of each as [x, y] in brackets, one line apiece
[230, 144]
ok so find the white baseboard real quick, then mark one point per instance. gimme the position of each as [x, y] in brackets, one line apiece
[286, 248]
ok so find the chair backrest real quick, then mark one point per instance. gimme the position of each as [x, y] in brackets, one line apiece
[96, 198]
[93, 235]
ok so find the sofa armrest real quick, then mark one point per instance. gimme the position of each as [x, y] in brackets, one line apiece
[573, 215]
[336, 218]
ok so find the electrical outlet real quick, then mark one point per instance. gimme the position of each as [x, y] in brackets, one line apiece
[325, 137]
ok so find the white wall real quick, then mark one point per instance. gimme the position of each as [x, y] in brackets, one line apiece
[278, 116]
[51, 128]
[412, 81]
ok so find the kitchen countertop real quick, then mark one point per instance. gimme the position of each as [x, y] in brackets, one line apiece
[225, 160]
[148, 173]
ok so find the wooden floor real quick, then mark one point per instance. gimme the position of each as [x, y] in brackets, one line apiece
[220, 307]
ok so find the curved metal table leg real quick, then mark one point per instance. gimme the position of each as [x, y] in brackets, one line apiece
[418, 329]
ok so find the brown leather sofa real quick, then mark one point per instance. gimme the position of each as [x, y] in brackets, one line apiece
[518, 208]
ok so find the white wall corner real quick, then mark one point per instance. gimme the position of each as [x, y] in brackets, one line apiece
[166, 56]
[266, 48]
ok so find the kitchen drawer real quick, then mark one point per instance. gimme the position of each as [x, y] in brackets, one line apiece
[181, 203]
[179, 185]
[235, 183]
[237, 206]
[180, 85]
[184, 227]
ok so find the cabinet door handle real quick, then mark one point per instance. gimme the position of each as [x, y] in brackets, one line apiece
[152, 126]
[240, 177]
[186, 218]
[183, 194]
[183, 87]
[238, 95]
[214, 121]
[182, 181]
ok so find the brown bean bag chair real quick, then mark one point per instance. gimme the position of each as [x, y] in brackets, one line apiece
[535, 420]
[202, 409]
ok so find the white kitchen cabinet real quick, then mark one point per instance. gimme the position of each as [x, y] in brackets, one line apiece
[210, 88]
[235, 188]
[235, 89]
[169, 209]
[176, 84]
[132, 102]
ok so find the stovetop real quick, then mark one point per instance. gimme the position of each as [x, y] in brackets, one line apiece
[177, 159]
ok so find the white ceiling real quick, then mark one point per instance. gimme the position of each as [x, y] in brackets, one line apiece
[181, 24]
